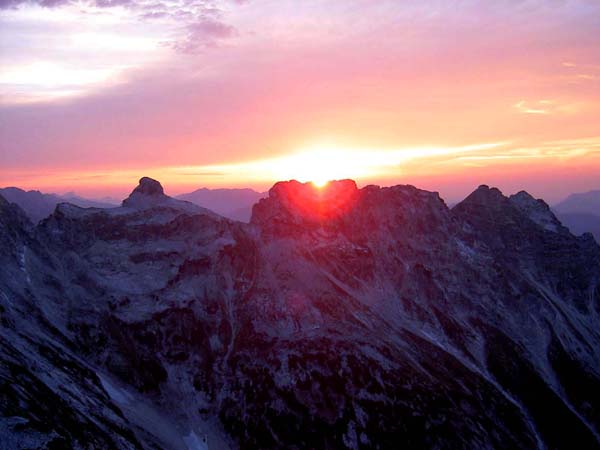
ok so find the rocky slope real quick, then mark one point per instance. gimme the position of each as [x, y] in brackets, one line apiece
[338, 318]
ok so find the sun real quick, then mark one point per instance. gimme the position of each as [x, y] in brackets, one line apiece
[317, 165]
[320, 165]
[319, 182]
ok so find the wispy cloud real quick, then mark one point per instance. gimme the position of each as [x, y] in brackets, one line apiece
[122, 35]
[312, 164]
[555, 151]
[545, 107]
[581, 72]
[538, 107]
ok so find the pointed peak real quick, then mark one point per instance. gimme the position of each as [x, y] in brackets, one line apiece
[149, 186]
[522, 196]
[485, 189]
[485, 195]
[147, 193]
[536, 210]
[150, 194]
[526, 202]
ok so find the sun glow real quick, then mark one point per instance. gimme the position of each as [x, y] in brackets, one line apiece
[320, 165]
[320, 183]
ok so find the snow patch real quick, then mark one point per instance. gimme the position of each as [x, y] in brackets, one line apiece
[193, 442]
[118, 395]
[23, 264]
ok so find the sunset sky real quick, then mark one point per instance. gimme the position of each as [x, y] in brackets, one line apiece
[445, 95]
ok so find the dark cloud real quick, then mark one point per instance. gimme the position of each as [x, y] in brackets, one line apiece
[205, 33]
[154, 15]
[9, 4]
[53, 3]
[210, 29]
[113, 3]
[170, 7]
[202, 20]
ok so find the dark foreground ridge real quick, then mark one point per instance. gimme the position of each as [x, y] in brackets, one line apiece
[338, 318]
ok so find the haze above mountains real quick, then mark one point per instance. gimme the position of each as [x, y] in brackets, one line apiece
[580, 212]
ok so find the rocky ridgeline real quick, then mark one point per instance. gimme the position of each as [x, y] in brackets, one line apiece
[338, 318]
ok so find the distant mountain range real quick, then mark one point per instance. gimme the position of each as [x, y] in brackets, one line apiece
[583, 202]
[234, 204]
[38, 205]
[580, 213]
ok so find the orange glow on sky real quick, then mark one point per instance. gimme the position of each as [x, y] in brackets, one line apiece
[247, 93]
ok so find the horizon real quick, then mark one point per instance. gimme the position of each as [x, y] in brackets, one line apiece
[116, 200]
[241, 94]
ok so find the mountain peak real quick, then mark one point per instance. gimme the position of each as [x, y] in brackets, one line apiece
[492, 205]
[484, 197]
[489, 193]
[148, 192]
[149, 186]
[537, 210]
[328, 193]
[299, 202]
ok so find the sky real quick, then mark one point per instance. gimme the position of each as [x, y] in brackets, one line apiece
[444, 95]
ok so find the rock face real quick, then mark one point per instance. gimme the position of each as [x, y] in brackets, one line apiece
[338, 318]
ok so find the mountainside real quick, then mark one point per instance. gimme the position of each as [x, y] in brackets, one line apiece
[38, 206]
[337, 318]
[235, 204]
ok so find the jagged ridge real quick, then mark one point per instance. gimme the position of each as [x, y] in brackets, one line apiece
[341, 317]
